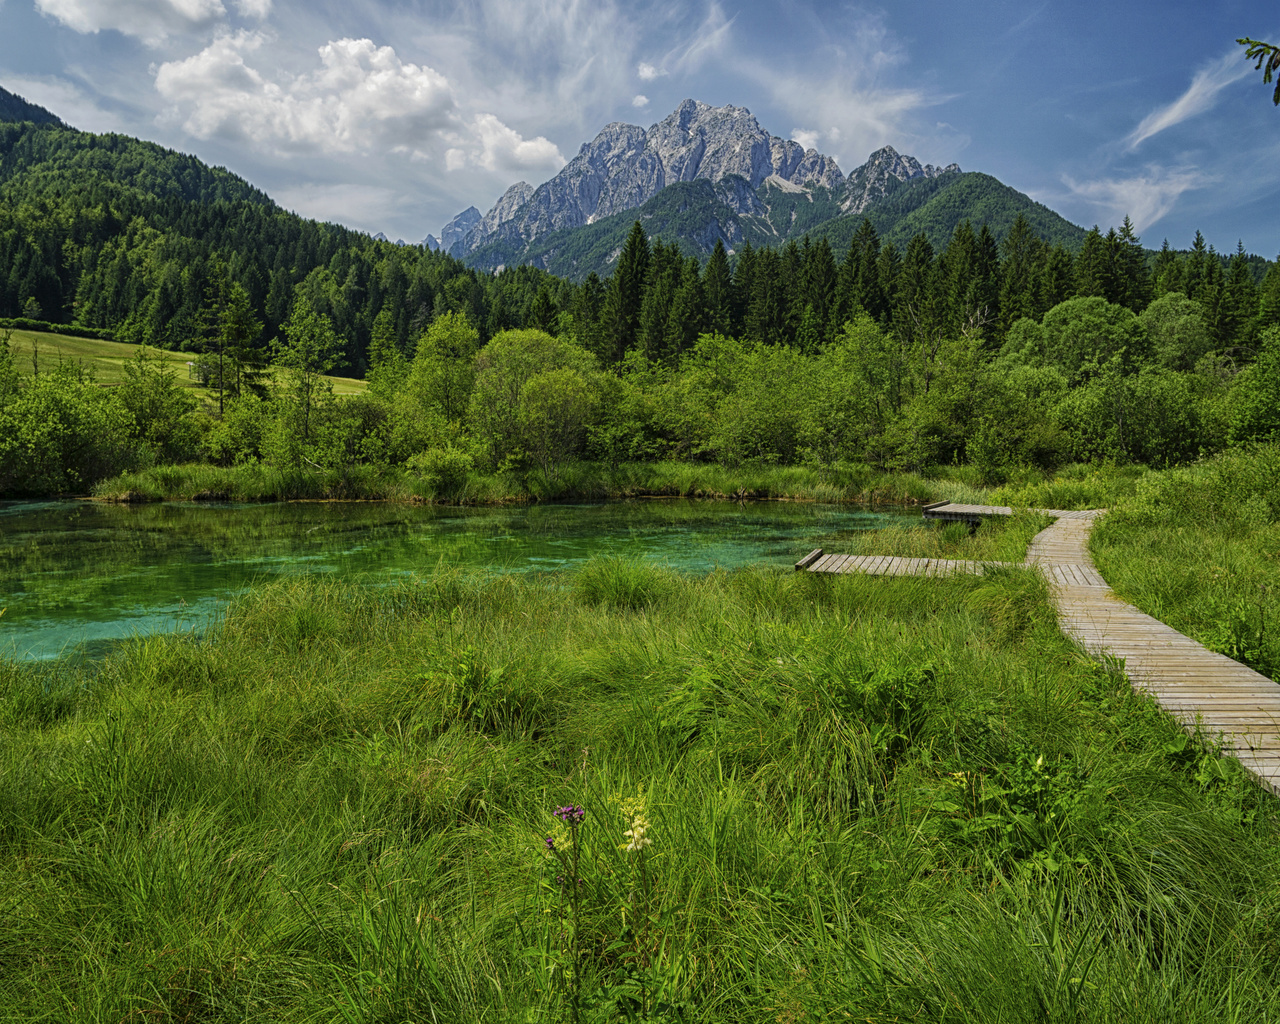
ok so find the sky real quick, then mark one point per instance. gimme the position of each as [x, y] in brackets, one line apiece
[394, 115]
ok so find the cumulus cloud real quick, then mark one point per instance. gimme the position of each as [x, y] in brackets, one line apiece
[647, 72]
[254, 8]
[502, 148]
[806, 137]
[362, 97]
[1145, 197]
[640, 100]
[1200, 96]
[152, 21]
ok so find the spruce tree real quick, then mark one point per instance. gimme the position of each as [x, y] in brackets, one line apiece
[626, 294]
[1023, 252]
[717, 286]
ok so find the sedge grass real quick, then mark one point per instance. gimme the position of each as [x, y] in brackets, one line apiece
[881, 798]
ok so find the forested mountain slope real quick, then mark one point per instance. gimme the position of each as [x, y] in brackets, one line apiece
[113, 232]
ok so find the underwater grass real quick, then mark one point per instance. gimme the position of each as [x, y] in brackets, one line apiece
[872, 799]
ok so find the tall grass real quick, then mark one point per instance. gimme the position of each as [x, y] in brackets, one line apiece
[869, 799]
[1197, 547]
[585, 481]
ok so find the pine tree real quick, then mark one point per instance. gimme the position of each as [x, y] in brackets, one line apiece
[744, 277]
[1134, 276]
[626, 294]
[1269, 304]
[1023, 253]
[1055, 282]
[1240, 301]
[718, 289]
[688, 312]
[766, 316]
[1091, 266]
[588, 307]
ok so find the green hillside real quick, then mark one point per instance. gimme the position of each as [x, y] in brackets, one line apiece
[15, 108]
[125, 236]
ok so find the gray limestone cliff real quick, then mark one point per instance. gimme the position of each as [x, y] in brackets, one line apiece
[625, 165]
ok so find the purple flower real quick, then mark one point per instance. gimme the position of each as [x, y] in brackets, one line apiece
[572, 815]
[551, 844]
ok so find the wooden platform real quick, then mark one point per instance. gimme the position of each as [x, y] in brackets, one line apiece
[886, 565]
[1204, 691]
[957, 512]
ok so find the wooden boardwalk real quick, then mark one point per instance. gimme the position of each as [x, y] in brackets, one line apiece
[1204, 691]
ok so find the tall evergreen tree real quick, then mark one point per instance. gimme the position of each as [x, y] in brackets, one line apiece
[626, 294]
[1135, 285]
[1023, 253]
[717, 285]
[744, 281]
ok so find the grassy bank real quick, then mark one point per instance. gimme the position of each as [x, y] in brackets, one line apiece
[865, 799]
[1199, 548]
[1074, 487]
[40, 351]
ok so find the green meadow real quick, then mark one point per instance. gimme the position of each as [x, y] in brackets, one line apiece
[39, 351]
[805, 798]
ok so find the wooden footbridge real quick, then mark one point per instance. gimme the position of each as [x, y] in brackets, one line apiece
[1205, 691]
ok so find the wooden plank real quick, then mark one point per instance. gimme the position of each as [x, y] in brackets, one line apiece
[809, 559]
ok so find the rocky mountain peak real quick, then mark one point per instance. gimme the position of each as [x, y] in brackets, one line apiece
[456, 230]
[878, 177]
[625, 165]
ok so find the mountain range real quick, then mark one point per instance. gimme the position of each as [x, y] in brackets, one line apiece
[709, 174]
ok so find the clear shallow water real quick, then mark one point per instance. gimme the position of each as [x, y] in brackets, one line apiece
[77, 576]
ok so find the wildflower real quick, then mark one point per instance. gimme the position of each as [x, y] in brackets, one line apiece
[550, 844]
[572, 815]
[636, 834]
[635, 810]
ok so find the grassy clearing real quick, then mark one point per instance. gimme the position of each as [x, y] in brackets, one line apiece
[1199, 548]
[37, 349]
[868, 799]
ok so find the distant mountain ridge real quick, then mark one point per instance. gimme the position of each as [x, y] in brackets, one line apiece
[705, 174]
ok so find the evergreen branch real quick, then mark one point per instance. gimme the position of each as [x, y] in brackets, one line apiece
[1267, 60]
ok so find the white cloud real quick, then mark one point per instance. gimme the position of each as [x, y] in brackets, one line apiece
[362, 98]
[502, 148]
[647, 72]
[1145, 198]
[640, 100]
[152, 21]
[253, 8]
[806, 137]
[1200, 96]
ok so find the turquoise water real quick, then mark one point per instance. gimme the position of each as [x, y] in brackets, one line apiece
[75, 576]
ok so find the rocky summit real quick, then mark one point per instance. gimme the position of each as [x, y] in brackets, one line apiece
[626, 165]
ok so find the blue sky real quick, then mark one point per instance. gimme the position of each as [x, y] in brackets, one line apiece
[393, 116]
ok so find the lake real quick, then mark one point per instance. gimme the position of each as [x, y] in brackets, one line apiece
[75, 577]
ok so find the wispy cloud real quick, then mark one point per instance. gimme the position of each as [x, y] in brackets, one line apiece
[1143, 197]
[1200, 96]
[152, 21]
